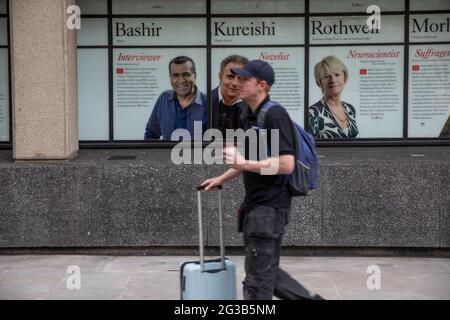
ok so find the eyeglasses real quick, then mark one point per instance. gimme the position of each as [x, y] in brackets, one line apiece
[183, 75]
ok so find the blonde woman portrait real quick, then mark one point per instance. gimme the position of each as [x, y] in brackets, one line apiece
[331, 117]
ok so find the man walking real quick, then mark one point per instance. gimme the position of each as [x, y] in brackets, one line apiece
[264, 212]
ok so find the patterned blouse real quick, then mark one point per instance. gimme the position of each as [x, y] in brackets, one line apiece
[322, 123]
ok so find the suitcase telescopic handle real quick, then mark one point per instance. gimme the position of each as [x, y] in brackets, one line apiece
[200, 227]
[201, 188]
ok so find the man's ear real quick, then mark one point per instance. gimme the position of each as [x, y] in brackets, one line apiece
[266, 87]
[264, 84]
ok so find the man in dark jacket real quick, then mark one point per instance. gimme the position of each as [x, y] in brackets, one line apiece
[225, 101]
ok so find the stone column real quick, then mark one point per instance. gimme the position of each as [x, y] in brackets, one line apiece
[44, 81]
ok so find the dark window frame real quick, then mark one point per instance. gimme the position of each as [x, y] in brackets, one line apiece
[358, 142]
[8, 144]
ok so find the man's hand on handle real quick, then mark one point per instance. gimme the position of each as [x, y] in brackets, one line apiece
[209, 184]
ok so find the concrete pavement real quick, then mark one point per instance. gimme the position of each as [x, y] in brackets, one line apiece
[157, 277]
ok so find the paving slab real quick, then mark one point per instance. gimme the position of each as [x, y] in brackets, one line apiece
[45, 277]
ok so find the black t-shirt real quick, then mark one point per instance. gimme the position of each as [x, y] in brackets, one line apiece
[269, 190]
[228, 117]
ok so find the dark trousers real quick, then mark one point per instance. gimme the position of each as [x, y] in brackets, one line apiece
[263, 229]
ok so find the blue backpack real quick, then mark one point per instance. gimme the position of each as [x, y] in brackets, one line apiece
[304, 176]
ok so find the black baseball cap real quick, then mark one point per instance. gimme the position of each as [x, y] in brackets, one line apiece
[256, 68]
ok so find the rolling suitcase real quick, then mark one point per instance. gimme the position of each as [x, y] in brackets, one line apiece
[211, 279]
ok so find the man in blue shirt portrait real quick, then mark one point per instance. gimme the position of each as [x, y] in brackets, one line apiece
[180, 107]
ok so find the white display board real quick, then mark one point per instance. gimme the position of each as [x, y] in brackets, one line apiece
[257, 6]
[354, 29]
[257, 31]
[374, 87]
[288, 64]
[93, 6]
[429, 91]
[93, 32]
[429, 27]
[158, 7]
[159, 31]
[334, 6]
[140, 76]
[4, 95]
[425, 5]
[93, 96]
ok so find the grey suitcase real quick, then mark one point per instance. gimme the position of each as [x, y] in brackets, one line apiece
[211, 279]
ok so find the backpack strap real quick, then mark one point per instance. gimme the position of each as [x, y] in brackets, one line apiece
[261, 119]
[261, 122]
